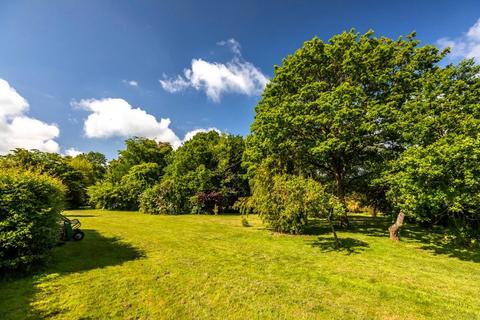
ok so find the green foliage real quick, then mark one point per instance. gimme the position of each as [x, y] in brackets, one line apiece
[138, 178]
[208, 202]
[329, 110]
[105, 195]
[440, 183]
[165, 198]
[125, 195]
[85, 167]
[285, 201]
[29, 207]
[138, 150]
[435, 180]
[91, 164]
[208, 164]
[54, 165]
[136, 169]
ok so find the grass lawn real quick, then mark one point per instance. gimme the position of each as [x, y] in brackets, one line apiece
[137, 266]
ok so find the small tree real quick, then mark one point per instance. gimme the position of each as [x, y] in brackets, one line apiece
[285, 202]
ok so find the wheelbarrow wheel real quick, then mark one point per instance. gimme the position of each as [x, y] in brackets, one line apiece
[78, 235]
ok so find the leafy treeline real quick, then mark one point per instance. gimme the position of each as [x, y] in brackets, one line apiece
[379, 117]
[204, 175]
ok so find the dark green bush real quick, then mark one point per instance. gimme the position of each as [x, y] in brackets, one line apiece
[29, 208]
[149, 199]
[210, 202]
[106, 195]
[164, 198]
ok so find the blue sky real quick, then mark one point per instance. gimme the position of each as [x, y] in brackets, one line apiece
[89, 71]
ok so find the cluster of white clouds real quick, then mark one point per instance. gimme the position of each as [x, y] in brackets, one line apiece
[17, 130]
[108, 118]
[117, 118]
[114, 117]
[235, 76]
[465, 46]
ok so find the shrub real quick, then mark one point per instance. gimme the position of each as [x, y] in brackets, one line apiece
[148, 200]
[208, 202]
[29, 208]
[106, 195]
[164, 198]
[285, 201]
[54, 165]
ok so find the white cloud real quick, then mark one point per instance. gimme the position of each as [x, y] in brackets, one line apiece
[12, 104]
[131, 83]
[117, 118]
[72, 152]
[189, 135]
[235, 76]
[173, 85]
[20, 131]
[465, 46]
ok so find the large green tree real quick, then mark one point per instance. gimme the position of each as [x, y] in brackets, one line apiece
[330, 110]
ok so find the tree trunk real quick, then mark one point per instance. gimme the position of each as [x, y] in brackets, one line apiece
[374, 213]
[395, 228]
[340, 190]
[337, 242]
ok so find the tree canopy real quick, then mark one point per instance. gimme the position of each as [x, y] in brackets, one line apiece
[332, 105]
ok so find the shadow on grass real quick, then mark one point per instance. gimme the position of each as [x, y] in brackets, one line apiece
[430, 239]
[93, 252]
[434, 240]
[347, 245]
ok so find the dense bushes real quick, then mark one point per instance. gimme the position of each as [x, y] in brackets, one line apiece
[206, 174]
[76, 173]
[29, 208]
[164, 198]
[106, 195]
[440, 184]
[125, 195]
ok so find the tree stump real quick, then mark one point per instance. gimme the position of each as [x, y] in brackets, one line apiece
[395, 228]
